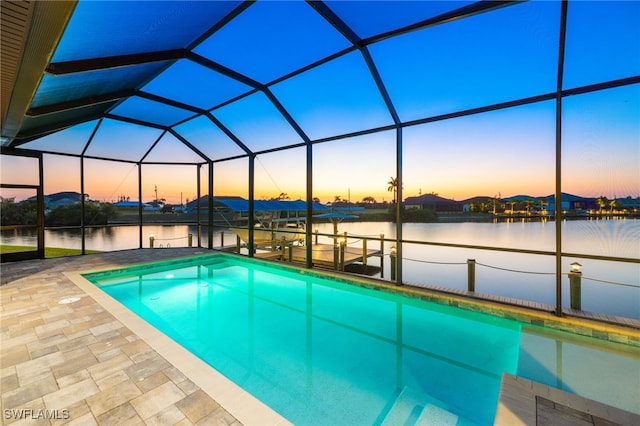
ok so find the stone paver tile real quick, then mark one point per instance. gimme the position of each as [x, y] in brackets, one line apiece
[188, 387]
[157, 399]
[145, 384]
[71, 379]
[77, 326]
[33, 370]
[9, 322]
[169, 416]
[135, 348]
[81, 361]
[71, 394]
[121, 415]
[112, 380]
[197, 405]
[7, 371]
[218, 417]
[39, 344]
[31, 418]
[598, 421]
[109, 335]
[174, 374]
[68, 414]
[15, 355]
[86, 420]
[78, 340]
[101, 318]
[110, 344]
[24, 325]
[23, 339]
[29, 392]
[44, 351]
[147, 367]
[57, 312]
[9, 382]
[27, 311]
[109, 367]
[49, 329]
[143, 356]
[22, 414]
[549, 416]
[113, 397]
[107, 327]
[104, 356]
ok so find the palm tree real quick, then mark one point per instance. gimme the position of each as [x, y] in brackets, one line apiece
[393, 186]
[602, 202]
[614, 205]
[528, 203]
[282, 196]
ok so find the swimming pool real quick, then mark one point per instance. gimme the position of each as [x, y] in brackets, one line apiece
[321, 351]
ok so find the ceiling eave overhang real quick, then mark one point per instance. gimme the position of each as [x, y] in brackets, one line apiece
[41, 31]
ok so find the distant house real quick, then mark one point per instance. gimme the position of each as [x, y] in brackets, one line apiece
[66, 198]
[632, 204]
[476, 201]
[154, 206]
[572, 202]
[433, 202]
[132, 205]
[238, 204]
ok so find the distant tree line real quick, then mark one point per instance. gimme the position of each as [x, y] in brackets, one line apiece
[12, 213]
[25, 213]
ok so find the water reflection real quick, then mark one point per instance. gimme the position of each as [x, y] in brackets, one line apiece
[443, 266]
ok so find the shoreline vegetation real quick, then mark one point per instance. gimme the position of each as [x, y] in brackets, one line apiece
[99, 214]
[48, 251]
[373, 215]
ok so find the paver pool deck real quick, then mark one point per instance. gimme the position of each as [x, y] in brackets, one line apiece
[69, 354]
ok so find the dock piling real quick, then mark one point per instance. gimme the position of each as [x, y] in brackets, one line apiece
[394, 262]
[381, 255]
[364, 254]
[575, 286]
[471, 275]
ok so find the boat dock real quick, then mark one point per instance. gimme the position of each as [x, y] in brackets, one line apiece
[336, 257]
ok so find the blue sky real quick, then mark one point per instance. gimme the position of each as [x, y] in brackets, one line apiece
[505, 55]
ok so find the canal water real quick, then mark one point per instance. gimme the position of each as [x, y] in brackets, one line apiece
[607, 287]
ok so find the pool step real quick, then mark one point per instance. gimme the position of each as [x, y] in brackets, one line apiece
[415, 408]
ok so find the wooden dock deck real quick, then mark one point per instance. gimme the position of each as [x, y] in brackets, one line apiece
[323, 255]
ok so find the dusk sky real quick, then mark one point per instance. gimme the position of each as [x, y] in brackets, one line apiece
[485, 59]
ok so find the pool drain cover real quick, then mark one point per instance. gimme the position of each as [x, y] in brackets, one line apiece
[68, 300]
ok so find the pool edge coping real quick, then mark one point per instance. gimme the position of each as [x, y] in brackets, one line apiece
[518, 403]
[246, 408]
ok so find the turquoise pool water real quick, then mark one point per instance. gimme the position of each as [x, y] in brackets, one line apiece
[320, 351]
